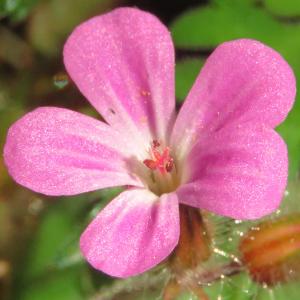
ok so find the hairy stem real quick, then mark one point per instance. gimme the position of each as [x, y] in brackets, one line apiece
[120, 288]
[206, 277]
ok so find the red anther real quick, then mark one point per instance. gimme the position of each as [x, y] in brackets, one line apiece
[161, 161]
[155, 144]
[169, 165]
[151, 164]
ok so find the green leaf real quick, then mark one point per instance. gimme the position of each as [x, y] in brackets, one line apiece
[187, 296]
[61, 286]
[288, 130]
[238, 287]
[208, 26]
[285, 8]
[53, 265]
[186, 73]
[55, 229]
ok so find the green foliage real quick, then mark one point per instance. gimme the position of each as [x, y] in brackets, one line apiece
[62, 286]
[238, 287]
[186, 71]
[42, 278]
[54, 267]
[17, 10]
[285, 8]
[187, 296]
[211, 25]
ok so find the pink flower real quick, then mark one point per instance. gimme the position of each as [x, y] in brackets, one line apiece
[221, 153]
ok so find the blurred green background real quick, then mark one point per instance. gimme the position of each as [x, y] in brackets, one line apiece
[39, 255]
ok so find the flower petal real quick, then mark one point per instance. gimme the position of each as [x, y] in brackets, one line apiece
[243, 80]
[239, 172]
[123, 62]
[135, 232]
[56, 151]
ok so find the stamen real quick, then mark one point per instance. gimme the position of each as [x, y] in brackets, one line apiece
[160, 161]
[151, 164]
[169, 165]
[155, 144]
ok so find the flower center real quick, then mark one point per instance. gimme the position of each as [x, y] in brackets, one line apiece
[163, 177]
[162, 162]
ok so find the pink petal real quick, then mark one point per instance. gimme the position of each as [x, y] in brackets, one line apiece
[239, 172]
[56, 151]
[123, 62]
[135, 232]
[242, 80]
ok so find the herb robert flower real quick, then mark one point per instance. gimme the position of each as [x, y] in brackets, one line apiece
[220, 153]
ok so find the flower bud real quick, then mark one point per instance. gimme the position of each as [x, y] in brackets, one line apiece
[271, 250]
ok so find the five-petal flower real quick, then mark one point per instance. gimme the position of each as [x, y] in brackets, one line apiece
[221, 153]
